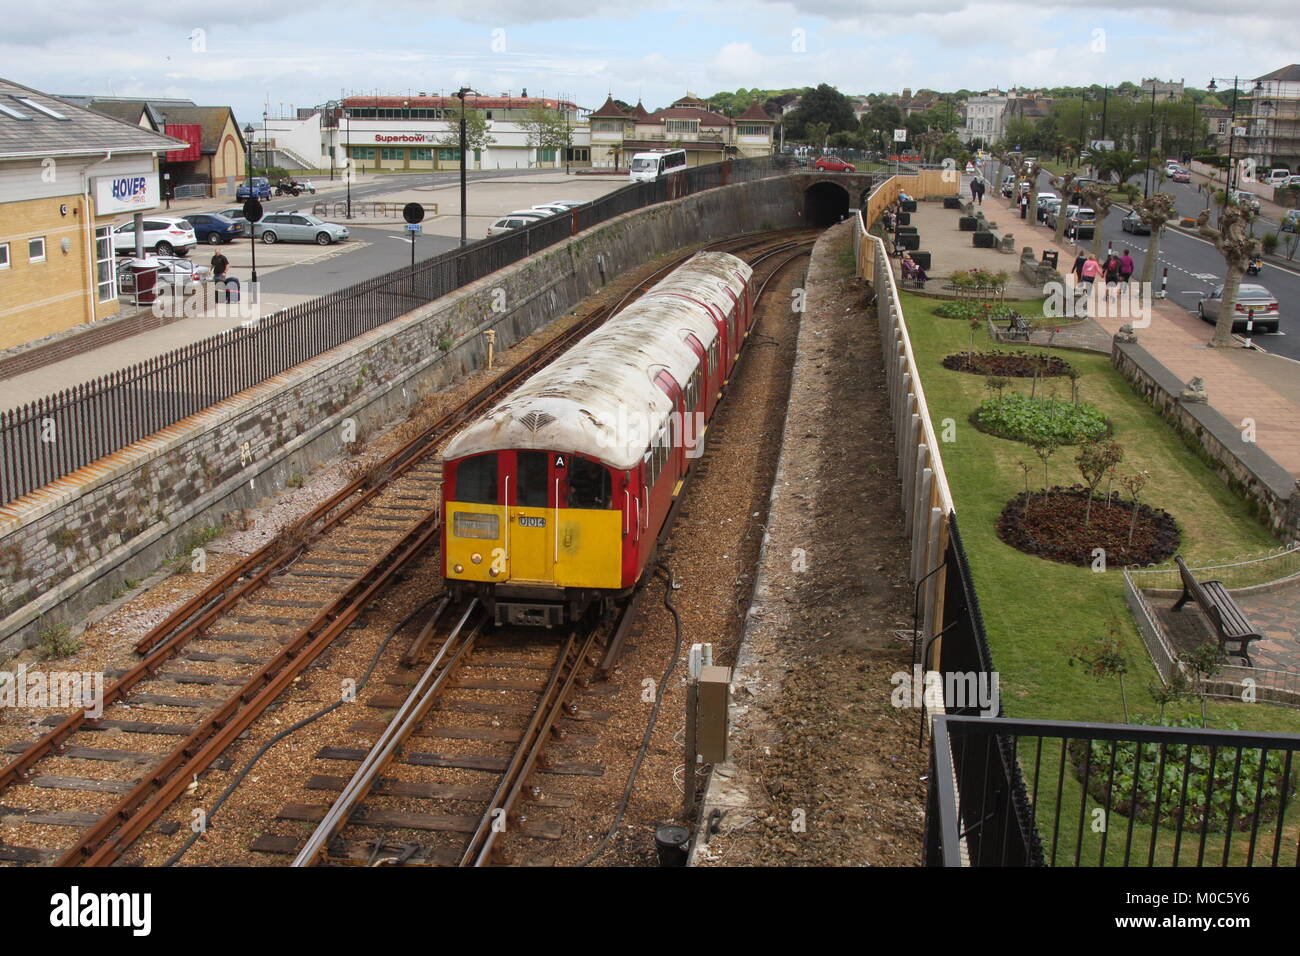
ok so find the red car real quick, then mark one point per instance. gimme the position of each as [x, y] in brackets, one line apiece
[1181, 176]
[834, 165]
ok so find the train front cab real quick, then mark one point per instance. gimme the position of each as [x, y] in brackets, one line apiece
[538, 536]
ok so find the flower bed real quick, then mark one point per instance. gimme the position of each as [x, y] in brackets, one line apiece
[973, 310]
[1017, 364]
[1051, 525]
[1022, 418]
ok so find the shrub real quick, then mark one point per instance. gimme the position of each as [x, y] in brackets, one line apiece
[56, 641]
[1269, 242]
[1022, 418]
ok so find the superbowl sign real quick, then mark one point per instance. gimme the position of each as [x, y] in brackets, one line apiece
[137, 192]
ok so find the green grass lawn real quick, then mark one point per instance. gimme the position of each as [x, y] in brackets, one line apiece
[1035, 610]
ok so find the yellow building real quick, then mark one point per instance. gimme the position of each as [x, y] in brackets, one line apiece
[66, 174]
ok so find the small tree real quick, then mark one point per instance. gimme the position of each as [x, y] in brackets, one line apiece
[996, 384]
[477, 137]
[546, 129]
[1236, 247]
[974, 327]
[1165, 694]
[1097, 197]
[1134, 483]
[1065, 183]
[1205, 662]
[1154, 211]
[1025, 468]
[1096, 458]
[1104, 657]
[816, 134]
[1045, 448]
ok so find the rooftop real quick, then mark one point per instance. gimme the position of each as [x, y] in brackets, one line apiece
[36, 124]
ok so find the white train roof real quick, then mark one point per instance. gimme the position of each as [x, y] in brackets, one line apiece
[599, 398]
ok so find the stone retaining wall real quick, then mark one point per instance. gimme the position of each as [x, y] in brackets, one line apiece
[70, 545]
[1245, 467]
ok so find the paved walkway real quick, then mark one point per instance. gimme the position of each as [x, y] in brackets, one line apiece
[1241, 383]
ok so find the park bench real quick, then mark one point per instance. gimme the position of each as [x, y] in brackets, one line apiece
[1018, 328]
[1221, 610]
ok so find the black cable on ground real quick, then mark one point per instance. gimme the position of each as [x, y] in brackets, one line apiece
[262, 751]
[650, 725]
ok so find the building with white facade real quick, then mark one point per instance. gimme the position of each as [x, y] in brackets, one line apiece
[417, 133]
[984, 117]
[1273, 129]
[689, 124]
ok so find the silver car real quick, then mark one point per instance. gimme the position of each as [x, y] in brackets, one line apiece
[298, 227]
[1253, 301]
[173, 271]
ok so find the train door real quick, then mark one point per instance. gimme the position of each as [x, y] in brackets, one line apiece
[530, 521]
[672, 437]
[588, 536]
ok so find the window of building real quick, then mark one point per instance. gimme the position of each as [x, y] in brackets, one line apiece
[392, 152]
[362, 152]
[546, 155]
[606, 126]
[531, 473]
[36, 249]
[579, 154]
[681, 126]
[105, 271]
[4, 255]
[752, 129]
[421, 153]
[449, 155]
[476, 480]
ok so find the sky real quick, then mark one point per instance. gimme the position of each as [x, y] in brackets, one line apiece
[248, 53]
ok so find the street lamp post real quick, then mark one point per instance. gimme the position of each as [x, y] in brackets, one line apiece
[1151, 125]
[347, 155]
[266, 146]
[252, 226]
[1105, 99]
[461, 93]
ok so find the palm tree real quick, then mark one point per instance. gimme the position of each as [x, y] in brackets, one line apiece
[1097, 197]
[1065, 183]
[1236, 247]
[1121, 164]
[1154, 211]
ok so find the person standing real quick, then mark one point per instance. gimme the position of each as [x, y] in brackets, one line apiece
[1024, 205]
[1125, 267]
[220, 272]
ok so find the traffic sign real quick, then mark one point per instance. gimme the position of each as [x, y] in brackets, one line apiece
[413, 227]
[252, 209]
[413, 212]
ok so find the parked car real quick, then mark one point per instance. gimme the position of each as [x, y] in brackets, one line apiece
[164, 235]
[566, 203]
[1279, 176]
[1057, 212]
[1291, 221]
[261, 189]
[173, 272]
[834, 164]
[297, 226]
[1048, 206]
[1180, 176]
[235, 214]
[1082, 224]
[1133, 223]
[553, 210]
[531, 213]
[1043, 200]
[1249, 297]
[215, 229]
[1247, 201]
[506, 223]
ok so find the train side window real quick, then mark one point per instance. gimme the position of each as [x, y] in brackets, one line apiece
[476, 480]
[531, 478]
[589, 485]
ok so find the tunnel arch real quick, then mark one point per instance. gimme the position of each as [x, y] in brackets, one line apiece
[825, 204]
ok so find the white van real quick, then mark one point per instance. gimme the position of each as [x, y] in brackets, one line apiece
[647, 167]
[1278, 177]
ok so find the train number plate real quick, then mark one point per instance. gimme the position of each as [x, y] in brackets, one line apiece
[527, 522]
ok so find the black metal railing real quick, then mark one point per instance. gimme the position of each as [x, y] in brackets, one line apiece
[54, 436]
[1112, 795]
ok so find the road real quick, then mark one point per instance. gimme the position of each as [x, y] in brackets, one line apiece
[1196, 267]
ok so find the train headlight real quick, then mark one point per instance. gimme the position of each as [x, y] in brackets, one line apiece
[459, 569]
[476, 558]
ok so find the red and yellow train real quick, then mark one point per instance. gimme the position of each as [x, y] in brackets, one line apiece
[554, 500]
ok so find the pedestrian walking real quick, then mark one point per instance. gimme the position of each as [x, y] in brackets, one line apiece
[1125, 267]
[1077, 268]
[1091, 269]
[1111, 269]
[220, 265]
[1024, 205]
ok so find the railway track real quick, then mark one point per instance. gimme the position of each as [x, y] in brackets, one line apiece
[211, 668]
[382, 816]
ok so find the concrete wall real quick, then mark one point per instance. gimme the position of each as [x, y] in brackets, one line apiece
[1245, 467]
[68, 546]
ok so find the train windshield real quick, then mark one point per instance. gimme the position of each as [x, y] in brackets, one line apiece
[588, 484]
[531, 491]
[476, 480]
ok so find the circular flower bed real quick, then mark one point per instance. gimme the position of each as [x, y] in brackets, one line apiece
[1031, 420]
[1204, 797]
[1018, 364]
[1051, 525]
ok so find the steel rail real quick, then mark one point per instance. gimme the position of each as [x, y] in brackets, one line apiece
[412, 712]
[108, 839]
